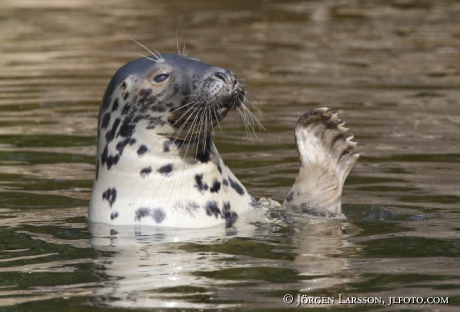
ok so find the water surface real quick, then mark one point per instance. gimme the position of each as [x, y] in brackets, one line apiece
[390, 68]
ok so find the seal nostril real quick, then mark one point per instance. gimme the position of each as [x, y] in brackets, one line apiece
[221, 76]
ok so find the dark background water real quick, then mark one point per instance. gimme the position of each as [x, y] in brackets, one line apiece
[390, 67]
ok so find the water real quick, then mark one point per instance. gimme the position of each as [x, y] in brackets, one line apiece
[389, 67]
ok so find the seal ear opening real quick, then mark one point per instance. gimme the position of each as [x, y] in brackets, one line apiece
[326, 158]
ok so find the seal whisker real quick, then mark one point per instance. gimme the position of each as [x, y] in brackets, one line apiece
[191, 130]
[205, 126]
[177, 43]
[159, 57]
[210, 127]
[144, 56]
[254, 106]
[203, 132]
[217, 118]
[184, 50]
[178, 119]
[185, 123]
[199, 134]
[210, 118]
[251, 124]
[190, 103]
[192, 126]
[254, 118]
[249, 93]
[189, 95]
[249, 119]
[184, 114]
[245, 123]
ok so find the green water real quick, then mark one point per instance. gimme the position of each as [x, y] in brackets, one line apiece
[391, 70]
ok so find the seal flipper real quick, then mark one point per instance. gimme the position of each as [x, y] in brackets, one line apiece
[326, 158]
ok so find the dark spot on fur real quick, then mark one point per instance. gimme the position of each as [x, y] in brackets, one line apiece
[229, 215]
[142, 150]
[158, 215]
[113, 232]
[166, 145]
[142, 213]
[139, 118]
[145, 92]
[158, 108]
[123, 85]
[116, 158]
[179, 143]
[106, 102]
[253, 202]
[176, 89]
[127, 128]
[146, 99]
[112, 160]
[105, 121]
[111, 133]
[290, 197]
[236, 186]
[199, 183]
[104, 155]
[145, 172]
[215, 186]
[219, 168]
[203, 156]
[125, 109]
[154, 121]
[109, 162]
[113, 215]
[166, 170]
[121, 145]
[115, 105]
[225, 182]
[126, 96]
[212, 208]
[110, 195]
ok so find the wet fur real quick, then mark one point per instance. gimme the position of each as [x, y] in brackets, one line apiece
[157, 164]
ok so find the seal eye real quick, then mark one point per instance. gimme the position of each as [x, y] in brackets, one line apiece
[160, 78]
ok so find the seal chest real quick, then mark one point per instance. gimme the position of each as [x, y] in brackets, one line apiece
[156, 163]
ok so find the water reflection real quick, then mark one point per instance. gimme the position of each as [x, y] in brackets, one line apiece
[145, 267]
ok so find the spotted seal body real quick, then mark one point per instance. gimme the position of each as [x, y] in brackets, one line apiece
[156, 162]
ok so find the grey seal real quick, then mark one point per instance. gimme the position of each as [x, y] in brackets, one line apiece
[156, 161]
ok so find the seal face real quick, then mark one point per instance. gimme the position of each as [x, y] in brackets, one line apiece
[156, 163]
